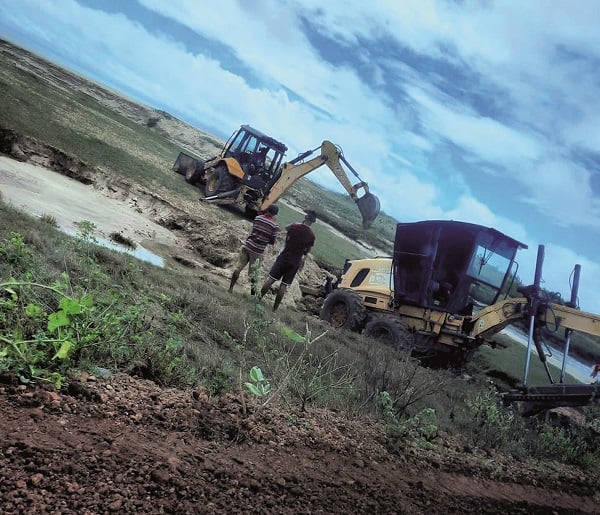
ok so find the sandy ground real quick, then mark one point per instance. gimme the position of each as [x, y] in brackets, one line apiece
[40, 191]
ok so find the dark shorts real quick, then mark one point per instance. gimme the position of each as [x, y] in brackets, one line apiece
[284, 270]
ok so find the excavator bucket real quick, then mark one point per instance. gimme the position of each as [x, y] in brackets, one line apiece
[368, 205]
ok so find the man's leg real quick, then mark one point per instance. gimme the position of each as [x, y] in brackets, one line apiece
[274, 275]
[234, 278]
[279, 296]
[266, 286]
[242, 262]
[288, 272]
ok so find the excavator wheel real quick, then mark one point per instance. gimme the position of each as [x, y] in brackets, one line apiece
[344, 309]
[391, 331]
[219, 181]
[250, 211]
[192, 174]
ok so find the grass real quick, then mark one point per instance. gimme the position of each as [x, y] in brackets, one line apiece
[341, 212]
[80, 126]
[184, 328]
[506, 364]
[329, 248]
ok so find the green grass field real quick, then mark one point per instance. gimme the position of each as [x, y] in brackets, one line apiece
[509, 359]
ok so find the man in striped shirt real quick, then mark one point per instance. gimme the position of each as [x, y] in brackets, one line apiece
[264, 232]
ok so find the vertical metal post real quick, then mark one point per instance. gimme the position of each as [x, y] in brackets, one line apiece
[569, 332]
[533, 306]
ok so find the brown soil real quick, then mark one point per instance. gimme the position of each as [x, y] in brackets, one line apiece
[125, 445]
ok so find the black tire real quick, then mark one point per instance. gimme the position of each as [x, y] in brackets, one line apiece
[193, 174]
[344, 309]
[250, 211]
[219, 181]
[391, 331]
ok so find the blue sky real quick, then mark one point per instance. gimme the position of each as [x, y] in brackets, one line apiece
[479, 111]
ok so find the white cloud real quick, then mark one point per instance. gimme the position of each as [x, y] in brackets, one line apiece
[559, 263]
[562, 190]
[489, 139]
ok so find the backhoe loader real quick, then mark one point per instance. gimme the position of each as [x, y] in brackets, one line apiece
[444, 293]
[249, 171]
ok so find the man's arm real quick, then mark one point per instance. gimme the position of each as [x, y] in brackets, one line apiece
[273, 236]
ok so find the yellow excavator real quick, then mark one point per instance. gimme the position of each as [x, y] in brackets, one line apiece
[444, 293]
[250, 171]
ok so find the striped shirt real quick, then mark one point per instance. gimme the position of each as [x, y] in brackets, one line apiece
[264, 232]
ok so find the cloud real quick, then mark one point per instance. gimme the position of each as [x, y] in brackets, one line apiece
[489, 139]
[558, 268]
[562, 190]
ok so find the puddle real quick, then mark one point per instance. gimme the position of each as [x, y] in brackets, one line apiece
[139, 252]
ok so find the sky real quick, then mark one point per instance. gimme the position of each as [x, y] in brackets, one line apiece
[481, 111]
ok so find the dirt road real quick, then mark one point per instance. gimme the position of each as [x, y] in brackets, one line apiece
[125, 445]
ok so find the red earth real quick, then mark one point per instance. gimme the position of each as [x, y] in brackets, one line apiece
[125, 445]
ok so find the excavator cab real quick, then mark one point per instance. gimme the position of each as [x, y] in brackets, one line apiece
[257, 154]
[454, 266]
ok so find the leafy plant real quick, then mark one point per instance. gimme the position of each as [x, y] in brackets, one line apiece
[491, 424]
[14, 250]
[259, 386]
[310, 374]
[417, 430]
[35, 351]
[86, 231]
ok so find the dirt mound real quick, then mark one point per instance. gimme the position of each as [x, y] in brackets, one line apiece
[125, 445]
[29, 150]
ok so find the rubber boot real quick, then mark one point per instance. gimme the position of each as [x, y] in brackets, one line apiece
[234, 279]
[279, 297]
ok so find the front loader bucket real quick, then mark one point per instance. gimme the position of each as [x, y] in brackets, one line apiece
[368, 205]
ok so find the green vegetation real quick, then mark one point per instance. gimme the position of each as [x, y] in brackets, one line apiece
[69, 305]
[81, 127]
[340, 211]
[506, 364]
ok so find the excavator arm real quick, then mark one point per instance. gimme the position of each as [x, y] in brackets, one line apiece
[368, 204]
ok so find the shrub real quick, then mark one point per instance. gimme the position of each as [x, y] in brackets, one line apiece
[417, 430]
[491, 425]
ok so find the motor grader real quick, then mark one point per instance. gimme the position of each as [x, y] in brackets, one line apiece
[444, 293]
[250, 171]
